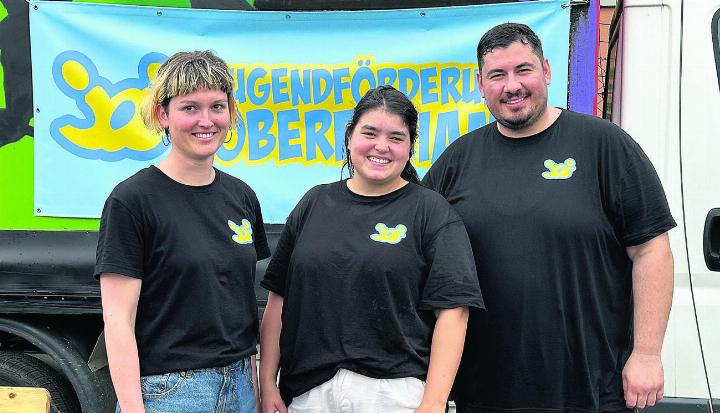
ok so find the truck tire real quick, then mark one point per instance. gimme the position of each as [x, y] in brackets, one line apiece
[22, 370]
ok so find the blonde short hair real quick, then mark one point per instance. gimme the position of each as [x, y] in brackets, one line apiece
[183, 73]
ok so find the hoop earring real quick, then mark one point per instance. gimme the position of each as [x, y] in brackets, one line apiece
[166, 139]
[229, 138]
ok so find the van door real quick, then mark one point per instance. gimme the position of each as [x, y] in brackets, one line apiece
[700, 148]
[643, 96]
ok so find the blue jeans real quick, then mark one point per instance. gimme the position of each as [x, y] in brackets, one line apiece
[214, 390]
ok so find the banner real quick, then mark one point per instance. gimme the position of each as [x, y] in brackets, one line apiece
[298, 77]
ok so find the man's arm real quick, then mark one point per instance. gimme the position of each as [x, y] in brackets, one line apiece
[652, 280]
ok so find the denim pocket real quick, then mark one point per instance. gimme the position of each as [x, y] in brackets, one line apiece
[247, 370]
[162, 385]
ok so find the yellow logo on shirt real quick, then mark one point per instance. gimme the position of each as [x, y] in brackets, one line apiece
[562, 170]
[389, 235]
[243, 232]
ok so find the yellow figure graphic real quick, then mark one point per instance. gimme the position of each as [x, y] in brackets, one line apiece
[132, 134]
[389, 235]
[562, 170]
[243, 233]
[108, 125]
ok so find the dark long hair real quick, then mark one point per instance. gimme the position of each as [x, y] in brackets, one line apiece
[392, 101]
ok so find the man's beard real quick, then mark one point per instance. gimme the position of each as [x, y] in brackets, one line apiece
[524, 122]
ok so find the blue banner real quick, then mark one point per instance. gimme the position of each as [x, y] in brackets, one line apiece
[299, 75]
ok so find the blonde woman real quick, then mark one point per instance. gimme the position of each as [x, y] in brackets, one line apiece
[176, 257]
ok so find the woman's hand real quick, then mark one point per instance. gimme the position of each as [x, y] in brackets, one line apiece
[431, 408]
[271, 400]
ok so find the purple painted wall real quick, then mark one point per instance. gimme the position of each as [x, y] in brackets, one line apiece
[582, 93]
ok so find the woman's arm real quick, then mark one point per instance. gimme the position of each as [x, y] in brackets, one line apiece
[120, 296]
[270, 355]
[447, 346]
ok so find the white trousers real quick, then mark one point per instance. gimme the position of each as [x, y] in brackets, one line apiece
[349, 392]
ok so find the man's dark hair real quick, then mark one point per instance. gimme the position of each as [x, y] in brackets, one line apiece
[503, 35]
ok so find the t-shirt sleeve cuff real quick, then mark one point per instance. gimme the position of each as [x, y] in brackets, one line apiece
[116, 269]
[441, 305]
[263, 253]
[659, 229]
[270, 287]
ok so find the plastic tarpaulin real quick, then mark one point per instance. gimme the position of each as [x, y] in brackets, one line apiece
[299, 75]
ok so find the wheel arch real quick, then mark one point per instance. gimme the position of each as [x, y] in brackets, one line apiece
[93, 390]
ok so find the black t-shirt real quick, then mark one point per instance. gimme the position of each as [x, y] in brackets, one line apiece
[549, 218]
[360, 277]
[195, 249]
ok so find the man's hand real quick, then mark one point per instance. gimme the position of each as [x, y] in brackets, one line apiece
[643, 380]
[271, 400]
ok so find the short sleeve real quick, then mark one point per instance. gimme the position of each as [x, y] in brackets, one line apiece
[640, 210]
[437, 174]
[452, 280]
[430, 180]
[443, 175]
[120, 241]
[259, 237]
[276, 273]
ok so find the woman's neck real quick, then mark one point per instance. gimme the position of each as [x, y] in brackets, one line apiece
[187, 171]
[360, 187]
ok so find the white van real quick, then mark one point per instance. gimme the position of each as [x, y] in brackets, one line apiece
[663, 87]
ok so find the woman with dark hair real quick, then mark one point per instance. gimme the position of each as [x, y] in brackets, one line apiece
[370, 283]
